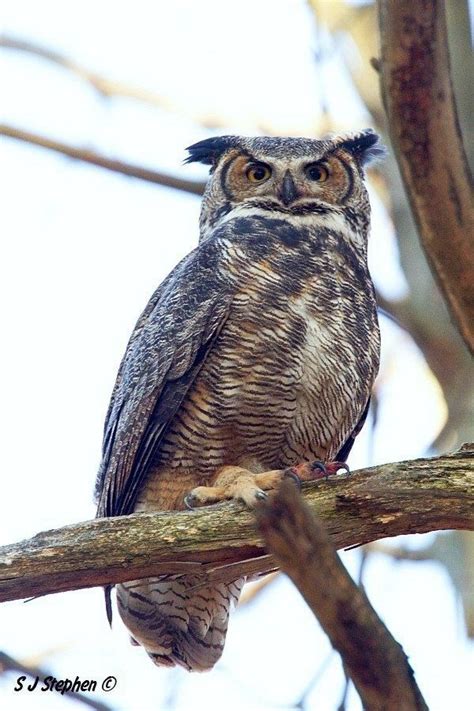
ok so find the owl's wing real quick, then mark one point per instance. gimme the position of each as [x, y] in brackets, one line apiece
[349, 443]
[164, 355]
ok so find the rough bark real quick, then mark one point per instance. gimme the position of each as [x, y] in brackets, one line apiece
[221, 542]
[423, 124]
[373, 659]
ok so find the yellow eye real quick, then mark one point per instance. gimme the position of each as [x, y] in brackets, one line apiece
[317, 172]
[258, 172]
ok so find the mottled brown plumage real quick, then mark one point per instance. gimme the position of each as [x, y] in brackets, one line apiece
[256, 353]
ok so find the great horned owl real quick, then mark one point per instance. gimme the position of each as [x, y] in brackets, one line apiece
[258, 352]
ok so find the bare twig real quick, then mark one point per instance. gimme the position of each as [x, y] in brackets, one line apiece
[321, 670]
[421, 110]
[220, 542]
[117, 166]
[112, 88]
[104, 85]
[374, 660]
[447, 357]
[454, 550]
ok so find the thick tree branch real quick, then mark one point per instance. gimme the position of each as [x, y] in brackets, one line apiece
[221, 542]
[117, 166]
[373, 659]
[423, 124]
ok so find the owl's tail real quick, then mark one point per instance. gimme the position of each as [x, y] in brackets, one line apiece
[177, 621]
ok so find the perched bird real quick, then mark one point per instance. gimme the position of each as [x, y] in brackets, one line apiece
[257, 353]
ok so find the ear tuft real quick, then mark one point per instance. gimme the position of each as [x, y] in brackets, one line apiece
[210, 150]
[364, 146]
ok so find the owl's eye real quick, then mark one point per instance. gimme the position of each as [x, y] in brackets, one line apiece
[258, 172]
[317, 172]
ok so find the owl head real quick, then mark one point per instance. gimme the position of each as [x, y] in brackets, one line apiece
[300, 178]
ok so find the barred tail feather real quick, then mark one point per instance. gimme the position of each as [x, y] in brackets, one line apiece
[177, 621]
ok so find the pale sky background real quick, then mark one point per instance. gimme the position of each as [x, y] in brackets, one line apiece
[83, 249]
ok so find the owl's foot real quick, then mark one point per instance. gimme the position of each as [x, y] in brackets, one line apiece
[237, 483]
[243, 485]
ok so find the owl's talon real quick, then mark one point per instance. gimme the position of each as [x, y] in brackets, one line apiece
[261, 495]
[311, 471]
[190, 502]
[319, 466]
[291, 474]
[335, 467]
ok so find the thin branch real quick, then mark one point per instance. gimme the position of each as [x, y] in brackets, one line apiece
[374, 660]
[8, 663]
[117, 166]
[316, 678]
[220, 543]
[446, 356]
[105, 86]
[423, 124]
[454, 550]
[403, 314]
[111, 88]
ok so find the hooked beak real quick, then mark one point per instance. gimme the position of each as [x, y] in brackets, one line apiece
[288, 192]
